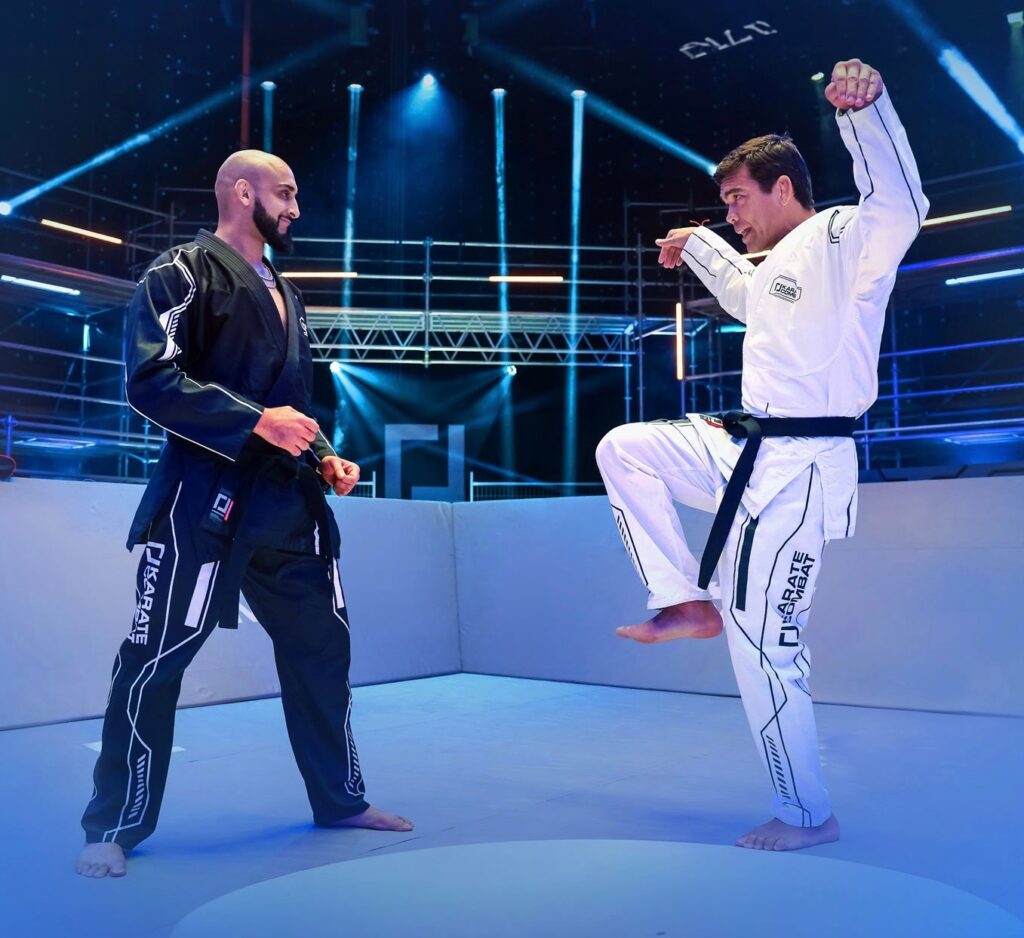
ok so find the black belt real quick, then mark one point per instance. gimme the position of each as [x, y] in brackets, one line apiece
[283, 468]
[754, 429]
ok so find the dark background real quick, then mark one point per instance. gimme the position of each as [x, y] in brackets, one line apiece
[79, 77]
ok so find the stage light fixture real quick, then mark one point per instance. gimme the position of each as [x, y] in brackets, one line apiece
[498, 92]
[818, 76]
[1015, 19]
[511, 370]
[355, 87]
[5, 208]
[268, 85]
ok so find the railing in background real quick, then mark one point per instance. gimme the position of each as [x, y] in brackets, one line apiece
[529, 488]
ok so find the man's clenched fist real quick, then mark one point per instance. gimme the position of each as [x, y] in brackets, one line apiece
[853, 85]
[340, 474]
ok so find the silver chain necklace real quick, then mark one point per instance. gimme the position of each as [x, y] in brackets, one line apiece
[266, 276]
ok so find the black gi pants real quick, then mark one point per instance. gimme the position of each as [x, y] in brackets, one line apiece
[298, 600]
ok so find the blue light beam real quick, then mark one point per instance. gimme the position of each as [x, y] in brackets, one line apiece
[559, 86]
[960, 70]
[355, 94]
[508, 455]
[569, 452]
[173, 123]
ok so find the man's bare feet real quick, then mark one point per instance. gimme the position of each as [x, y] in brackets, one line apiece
[776, 835]
[99, 860]
[697, 618]
[376, 820]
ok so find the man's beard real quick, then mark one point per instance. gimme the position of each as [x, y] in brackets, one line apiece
[268, 227]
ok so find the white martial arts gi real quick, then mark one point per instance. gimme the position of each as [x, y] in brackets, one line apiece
[814, 310]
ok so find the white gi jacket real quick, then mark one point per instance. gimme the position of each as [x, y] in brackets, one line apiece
[814, 311]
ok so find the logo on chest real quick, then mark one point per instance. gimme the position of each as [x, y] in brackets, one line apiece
[304, 327]
[786, 288]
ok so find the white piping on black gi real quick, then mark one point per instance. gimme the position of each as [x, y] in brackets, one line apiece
[152, 665]
[170, 340]
[354, 771]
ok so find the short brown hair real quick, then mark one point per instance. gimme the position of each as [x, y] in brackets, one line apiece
[767, 158]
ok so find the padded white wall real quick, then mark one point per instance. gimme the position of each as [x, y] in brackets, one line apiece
[67, 599]
[922, 609]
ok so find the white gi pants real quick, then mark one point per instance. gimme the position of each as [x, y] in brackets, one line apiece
[766, 574]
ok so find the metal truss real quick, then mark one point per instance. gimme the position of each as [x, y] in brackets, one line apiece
[470, 338]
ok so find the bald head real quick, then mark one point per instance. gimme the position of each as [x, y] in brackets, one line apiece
[245, 174]
[256, 192]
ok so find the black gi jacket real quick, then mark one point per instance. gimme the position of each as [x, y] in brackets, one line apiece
[205, 353]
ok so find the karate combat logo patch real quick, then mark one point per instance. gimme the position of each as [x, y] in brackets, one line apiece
[786, 288]
[222, 506]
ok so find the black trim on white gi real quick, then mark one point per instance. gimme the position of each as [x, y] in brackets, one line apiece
[777, 708]
[833, 238]
[744, 571]
[899, 162]
[691, 256]
[728, 260]
[864, 159]
[764, 625]
[628, 543]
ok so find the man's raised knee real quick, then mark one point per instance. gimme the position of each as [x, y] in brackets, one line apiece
[618, 441]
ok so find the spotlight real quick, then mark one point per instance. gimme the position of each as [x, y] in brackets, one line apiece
[268, 85]
[498, 92]
[510, 370]
[5, 208]
[355, 87]
[1015, 19]
[818, 76]
[428, 81]
[336, 368]
[579, 93]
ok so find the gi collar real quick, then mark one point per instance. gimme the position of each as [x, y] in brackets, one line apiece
[246, 273]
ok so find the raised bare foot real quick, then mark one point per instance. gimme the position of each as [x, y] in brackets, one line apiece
[697, 618]
[376, 820]
[776, 835]
[99, 860]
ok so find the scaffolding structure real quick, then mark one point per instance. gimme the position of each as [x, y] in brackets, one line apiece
[430, 303]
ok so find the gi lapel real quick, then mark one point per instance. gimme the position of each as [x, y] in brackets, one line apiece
[284, 390]
[245, 272]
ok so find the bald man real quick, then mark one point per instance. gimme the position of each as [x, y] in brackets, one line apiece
[217, 354]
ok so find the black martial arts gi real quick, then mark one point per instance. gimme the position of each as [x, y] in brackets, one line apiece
[224, 510]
